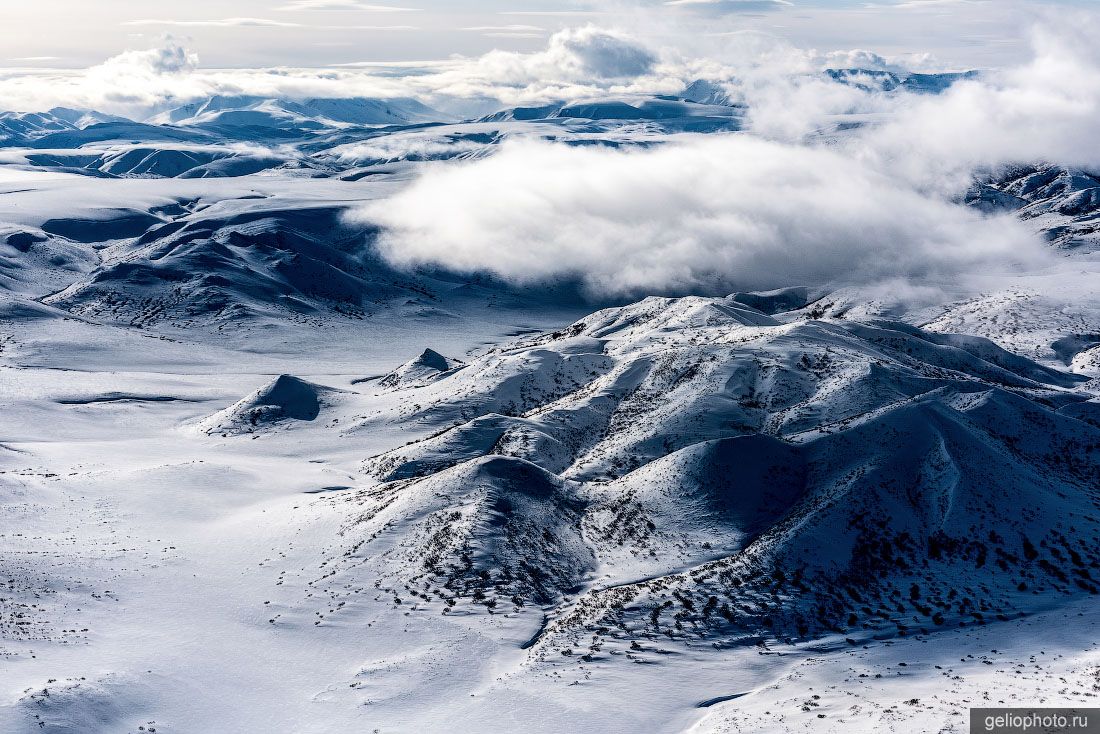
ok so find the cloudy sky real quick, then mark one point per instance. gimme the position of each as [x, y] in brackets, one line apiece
[317, 33]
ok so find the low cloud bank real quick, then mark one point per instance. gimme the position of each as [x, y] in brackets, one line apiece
[709, 215]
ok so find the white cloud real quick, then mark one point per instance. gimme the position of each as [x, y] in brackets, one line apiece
[138, 83]
[305, 5]
[513, 34]
[858, 58]
[391, 147]
[713, 213]
[1042, 110]
[511, 27]
[595, 52]
[129, 83]
[924, 4]
[513, 30]
[709, 214]
[1045, 110]
[371, 27]
[220, 23]
[576, 63]
[556, 13]
[729, 5]
[171, 58]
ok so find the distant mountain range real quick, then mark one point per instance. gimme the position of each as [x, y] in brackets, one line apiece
[221, 112]
[231, 136]
[227, 116]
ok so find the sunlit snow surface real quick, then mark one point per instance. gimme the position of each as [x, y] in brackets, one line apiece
[253, 477]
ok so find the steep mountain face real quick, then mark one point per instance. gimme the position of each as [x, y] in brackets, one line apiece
[16, 128]
[523, 114]
[868, 79]
[184, 163]
[660, 108]
[118, 131]
[20, 128]
[237, 117]
[711, 474]
[428, 367]
[937, 83]
[941, 512]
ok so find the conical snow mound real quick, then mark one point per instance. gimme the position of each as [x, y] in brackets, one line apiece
[422, 370]
[286, 398]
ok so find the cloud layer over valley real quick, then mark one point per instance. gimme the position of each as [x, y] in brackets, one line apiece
[790, 203]
[701, 215]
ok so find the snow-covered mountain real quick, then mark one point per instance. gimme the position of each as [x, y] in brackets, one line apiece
[705, 450]
[18, 128]
[1063, 203]
[706, 92]
[225, 113]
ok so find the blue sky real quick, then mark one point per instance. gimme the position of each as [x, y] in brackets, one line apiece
[264, 33]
